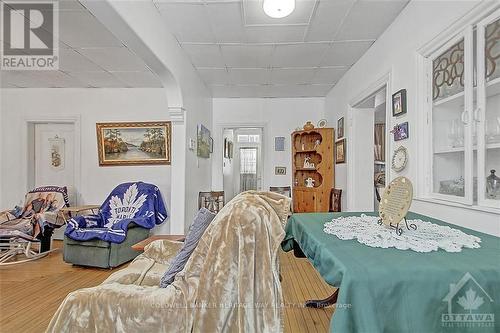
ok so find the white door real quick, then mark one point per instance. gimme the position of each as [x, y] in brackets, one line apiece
[361, 158]
[54, 160]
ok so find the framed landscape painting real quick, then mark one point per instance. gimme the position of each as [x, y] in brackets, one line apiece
[136, 143]
[203, 142]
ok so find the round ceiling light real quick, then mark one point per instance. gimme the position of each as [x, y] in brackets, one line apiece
[278, 8]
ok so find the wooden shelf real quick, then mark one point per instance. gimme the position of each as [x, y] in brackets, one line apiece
[379, 162]
[306, 151]
[317, 198]
[461, 149]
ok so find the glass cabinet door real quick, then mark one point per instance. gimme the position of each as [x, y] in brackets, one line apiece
[488, 112]
[452, 99]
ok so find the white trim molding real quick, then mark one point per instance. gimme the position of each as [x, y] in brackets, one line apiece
[177, 114]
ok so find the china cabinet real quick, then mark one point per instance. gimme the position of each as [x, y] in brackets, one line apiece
[313, 169]
[464, 115]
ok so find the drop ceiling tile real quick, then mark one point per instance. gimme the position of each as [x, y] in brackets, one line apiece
[19, 79]
[368, 19]
[345, 53]
[327, 19]
[292, 75]
[115, 59]
[98, 79]
[254, 13]
[253, 56]
[72, 61]
[139, 79]
[226, 21]
[81, 29]
[187, 21]
[275, 34]
[213, 76]
[328, 75]
[204, 55]
[299, 55]
[234, 91]
[298, 90]
[55, 79]
[250, 75]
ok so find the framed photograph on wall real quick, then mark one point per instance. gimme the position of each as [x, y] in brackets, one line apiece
[280, 171]
[399, 103]
[279, 143]
[340, 151]
[401, 131]
[203, 142]
[340, 128]
[133, 143]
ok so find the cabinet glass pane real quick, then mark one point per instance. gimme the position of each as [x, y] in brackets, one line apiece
[492, 50]
[448, 72]
[447, 126]
[492, 112]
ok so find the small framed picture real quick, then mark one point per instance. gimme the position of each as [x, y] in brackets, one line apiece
[399, 103]
[226, 148]
[400, 131]
[280, 171]
[211, 145]
[340, 150]
[340, 128]
[279, 143]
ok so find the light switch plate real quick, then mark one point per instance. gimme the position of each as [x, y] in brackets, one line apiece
[192, 144]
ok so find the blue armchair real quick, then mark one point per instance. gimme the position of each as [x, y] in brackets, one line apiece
[125, 218]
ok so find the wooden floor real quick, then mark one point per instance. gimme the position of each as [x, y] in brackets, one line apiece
[31, 292]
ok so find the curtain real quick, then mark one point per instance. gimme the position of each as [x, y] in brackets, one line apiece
[248, 169]
[379, 148]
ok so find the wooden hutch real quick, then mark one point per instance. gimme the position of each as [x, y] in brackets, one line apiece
[317, 145]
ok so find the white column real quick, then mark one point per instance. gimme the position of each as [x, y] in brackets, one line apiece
[178, 186]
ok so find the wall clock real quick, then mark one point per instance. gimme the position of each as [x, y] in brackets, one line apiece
[399, 159]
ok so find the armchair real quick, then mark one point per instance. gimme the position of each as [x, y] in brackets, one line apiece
[105, 239]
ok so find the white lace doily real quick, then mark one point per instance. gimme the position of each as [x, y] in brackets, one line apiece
[428, 236]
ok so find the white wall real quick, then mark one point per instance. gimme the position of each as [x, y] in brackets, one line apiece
[190, 174]
[91, 106]
[279, 115]
[395, 53]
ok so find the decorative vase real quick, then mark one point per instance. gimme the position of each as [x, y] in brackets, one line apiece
[492, 185]
[308, 126]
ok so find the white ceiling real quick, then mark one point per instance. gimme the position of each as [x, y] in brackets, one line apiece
[90, 57]
[237, 50]
[240, 52]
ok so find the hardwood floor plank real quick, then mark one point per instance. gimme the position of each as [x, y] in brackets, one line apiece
[30, 293]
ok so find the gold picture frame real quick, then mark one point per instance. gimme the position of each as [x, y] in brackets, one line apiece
[340, 151]
[134, 143]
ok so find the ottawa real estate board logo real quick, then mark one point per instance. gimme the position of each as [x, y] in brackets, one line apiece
[469, 305]
[29, 35]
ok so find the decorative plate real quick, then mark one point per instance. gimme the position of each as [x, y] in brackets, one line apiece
[399, 159]
[322, 123]
[396, 201]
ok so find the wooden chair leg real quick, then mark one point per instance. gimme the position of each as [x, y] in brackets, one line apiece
[323, 303]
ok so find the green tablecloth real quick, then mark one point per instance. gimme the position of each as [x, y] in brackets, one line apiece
[390, 290]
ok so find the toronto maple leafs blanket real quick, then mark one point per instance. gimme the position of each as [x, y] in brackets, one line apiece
[139, 202]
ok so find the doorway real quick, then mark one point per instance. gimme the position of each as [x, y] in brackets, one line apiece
[367, 172]
[51, 148]
[242, 160]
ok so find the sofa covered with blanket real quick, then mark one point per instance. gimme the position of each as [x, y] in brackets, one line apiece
[230, 282]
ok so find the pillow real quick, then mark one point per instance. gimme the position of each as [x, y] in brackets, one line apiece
[196, 230]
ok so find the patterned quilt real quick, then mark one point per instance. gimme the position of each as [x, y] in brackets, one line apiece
[138, 203]
[40, 210]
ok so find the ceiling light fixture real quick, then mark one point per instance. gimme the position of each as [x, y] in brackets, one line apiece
[278, 8]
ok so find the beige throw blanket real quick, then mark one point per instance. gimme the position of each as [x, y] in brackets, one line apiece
[230, 283]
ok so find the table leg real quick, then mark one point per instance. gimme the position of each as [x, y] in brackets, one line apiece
[323, 303]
